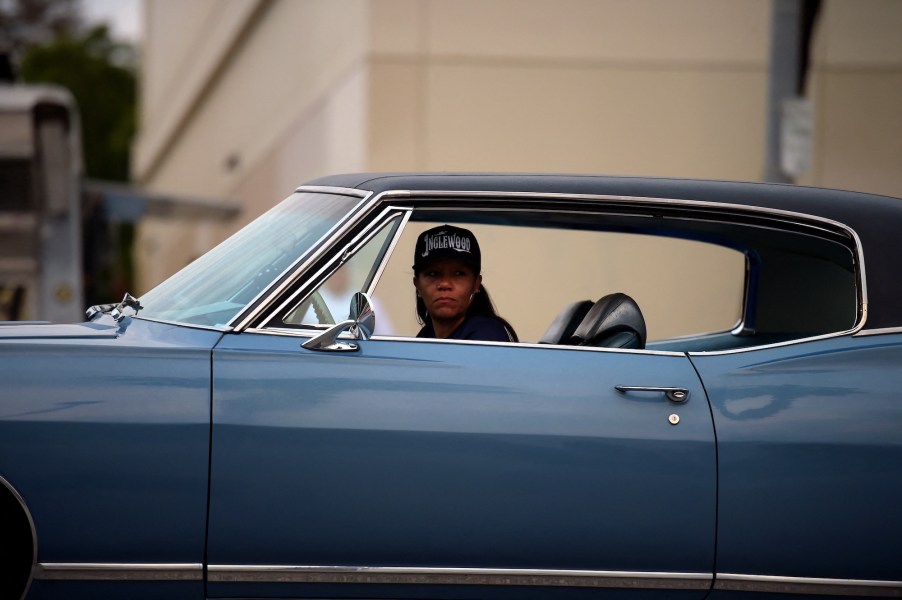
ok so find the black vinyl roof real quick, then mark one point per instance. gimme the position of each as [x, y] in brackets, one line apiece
[877, 220]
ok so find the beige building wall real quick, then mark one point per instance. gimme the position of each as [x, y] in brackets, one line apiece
[595, 86]
[244, 99]
[856, 89]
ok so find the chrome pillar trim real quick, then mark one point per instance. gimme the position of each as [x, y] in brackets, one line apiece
[267, 297]
[808, 585]
[328, 189]
[120, 571]
[384, 219]
[456, 576]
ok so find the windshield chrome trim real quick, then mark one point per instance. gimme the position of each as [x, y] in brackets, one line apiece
[119, 571]
[263, 301]
[456, 576]
[384, 219]
[807, 585]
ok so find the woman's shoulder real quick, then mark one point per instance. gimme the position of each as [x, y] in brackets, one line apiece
[484, 328]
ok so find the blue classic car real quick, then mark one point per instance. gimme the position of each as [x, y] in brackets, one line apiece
[703, 402]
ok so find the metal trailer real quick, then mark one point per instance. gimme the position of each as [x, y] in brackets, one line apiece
[40, 205]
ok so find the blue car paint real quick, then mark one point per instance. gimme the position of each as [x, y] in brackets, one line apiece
[110, 439]
[810, 458]
[344, 457]
[434, 454]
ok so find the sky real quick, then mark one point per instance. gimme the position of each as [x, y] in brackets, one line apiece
[123, 16]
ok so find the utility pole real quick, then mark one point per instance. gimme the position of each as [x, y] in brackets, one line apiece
[789, 121]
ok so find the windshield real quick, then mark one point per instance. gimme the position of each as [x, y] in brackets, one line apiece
[216, 286]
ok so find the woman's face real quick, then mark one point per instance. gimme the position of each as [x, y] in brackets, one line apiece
[447, 287]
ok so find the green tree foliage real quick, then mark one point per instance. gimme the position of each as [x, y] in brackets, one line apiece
[27, 23]
[100, 73]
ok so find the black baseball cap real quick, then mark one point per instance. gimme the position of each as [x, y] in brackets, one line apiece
[447, 242]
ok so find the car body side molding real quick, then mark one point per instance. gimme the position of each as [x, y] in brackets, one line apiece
[808, 585]
[458, 576]
[466, 576]
[119, 571]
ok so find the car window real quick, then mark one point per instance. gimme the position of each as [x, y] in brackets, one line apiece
[329, 302]
[683, 287]
[702, 279]
[215, 287]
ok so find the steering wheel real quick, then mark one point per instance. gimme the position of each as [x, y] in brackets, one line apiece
[323, 314]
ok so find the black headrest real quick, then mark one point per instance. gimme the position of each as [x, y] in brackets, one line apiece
[615, 321]
[561, 329]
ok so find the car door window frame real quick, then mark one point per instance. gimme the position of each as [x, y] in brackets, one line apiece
[391, 204]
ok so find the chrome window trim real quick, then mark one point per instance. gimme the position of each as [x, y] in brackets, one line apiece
[310, 333]
[405, 218]
[813, 222]
[329, 189]
[814, 338]
[795, 218]
[119, 571]
[882, 331]
[456, 576]
[790, 217]
[808, 585]
[384, 219]
[267, 295]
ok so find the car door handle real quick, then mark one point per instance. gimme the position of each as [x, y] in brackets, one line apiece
[677, 395]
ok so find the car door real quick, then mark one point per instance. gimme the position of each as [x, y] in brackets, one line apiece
[104, 431]
[810, 453]
[413, 468]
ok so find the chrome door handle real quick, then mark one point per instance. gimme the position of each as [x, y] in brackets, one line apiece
[677, 395]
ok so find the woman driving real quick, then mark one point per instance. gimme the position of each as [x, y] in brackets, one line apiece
[452, 303]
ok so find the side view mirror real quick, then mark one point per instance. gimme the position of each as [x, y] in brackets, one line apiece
[361, 323]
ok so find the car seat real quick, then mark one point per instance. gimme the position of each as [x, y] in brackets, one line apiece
[565, 323]
[615, 321]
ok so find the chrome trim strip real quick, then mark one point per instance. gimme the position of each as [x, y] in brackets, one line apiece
[808, 585]
[813, 222]
[265, 298]
[405, 217]
[384, 219]
[456, 576]
[328, 189]
[883, 331]
[119, 571]
[310, 333]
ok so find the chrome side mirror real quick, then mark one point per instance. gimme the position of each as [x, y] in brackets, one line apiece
[361, 323]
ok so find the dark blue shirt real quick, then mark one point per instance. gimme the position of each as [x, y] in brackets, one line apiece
[478, 327]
